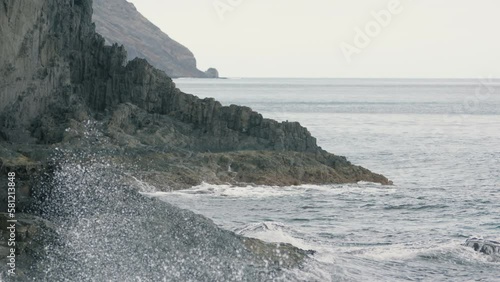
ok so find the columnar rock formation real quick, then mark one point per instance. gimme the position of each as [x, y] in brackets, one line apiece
[55, 71]
[79, 125]
[58, 75]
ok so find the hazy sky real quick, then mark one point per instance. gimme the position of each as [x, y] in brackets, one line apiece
[329, 38]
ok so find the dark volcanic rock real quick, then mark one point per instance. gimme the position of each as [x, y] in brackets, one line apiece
[118, 21]
[488, 247]
[78, 124]
[59, 77]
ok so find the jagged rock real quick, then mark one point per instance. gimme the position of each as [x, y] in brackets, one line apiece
[60, 75]
[118, 21]
[64, 93]
[488, 247]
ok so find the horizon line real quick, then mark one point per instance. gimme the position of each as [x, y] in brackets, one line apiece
[325, 77]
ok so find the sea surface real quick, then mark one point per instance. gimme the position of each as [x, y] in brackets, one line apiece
[438, 140]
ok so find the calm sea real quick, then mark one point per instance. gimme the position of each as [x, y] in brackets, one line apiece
[438, 140]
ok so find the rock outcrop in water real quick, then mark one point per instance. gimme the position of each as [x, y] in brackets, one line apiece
[488, 247]
[63, 90]
[118, 21]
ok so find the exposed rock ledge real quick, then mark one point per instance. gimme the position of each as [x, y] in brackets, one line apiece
[64, 92]
[59, 78]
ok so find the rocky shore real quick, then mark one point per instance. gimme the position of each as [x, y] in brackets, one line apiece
[70, 102]
[62, 84]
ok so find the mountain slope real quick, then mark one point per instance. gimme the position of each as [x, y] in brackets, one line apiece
[118, 21]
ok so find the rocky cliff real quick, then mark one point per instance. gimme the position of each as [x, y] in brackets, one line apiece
[59, 77]
[118, 21]
[81, 127]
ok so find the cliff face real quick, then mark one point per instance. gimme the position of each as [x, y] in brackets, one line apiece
[58, 70]
[81, 127]
[38, 38]
[118, 21]
[59, 77]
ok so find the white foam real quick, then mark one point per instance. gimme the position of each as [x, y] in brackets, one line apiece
[452, 250]
[276, 232]
[263, 191]
[235, 191]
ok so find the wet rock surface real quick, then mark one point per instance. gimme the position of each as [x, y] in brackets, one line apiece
[488, 247]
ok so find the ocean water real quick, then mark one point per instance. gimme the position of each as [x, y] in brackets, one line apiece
[438, 140]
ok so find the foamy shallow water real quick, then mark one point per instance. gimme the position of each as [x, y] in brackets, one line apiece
[436, 139]
[358, 231]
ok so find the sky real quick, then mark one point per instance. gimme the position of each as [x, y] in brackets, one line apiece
[335, 38]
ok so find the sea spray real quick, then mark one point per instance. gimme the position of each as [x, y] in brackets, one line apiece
[104, 229]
